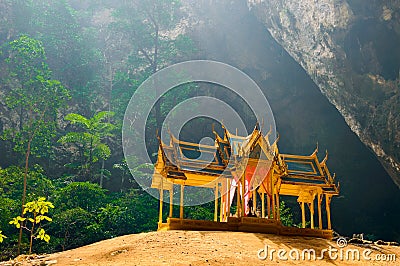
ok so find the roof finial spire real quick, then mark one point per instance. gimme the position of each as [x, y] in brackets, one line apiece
[262, 124]
[266, 137]
[325, 158]
[315, 151]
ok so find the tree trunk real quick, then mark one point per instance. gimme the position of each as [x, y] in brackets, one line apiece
[90, 168]
[32, 233]
[108, 120]
[101, 173]
[28, 152]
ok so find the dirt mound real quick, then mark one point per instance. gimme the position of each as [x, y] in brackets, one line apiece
[219, 248]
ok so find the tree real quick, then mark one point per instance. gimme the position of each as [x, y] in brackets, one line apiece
[85, 195]
[36, 213]
[137, 212]
[89, 139]
[152, 33]
[75, 219]
[67, 38]
[73, 228]
[35, 99]
[11, 184]
[70, 49]
[152, 39]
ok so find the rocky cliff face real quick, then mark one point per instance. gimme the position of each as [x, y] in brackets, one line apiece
[351, 51]
[225, 30]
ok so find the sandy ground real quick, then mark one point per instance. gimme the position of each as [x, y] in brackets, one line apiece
[213, 248]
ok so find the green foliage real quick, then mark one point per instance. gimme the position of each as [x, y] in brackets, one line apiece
[286, 214]
[33, 96]
[205, 212]
[11, 183]
[150, 48]
[137, 212]
[27, 58]
[73, 228]
[89, 139]
[58, 49]
[152, 41]
[8, 208]
[123, 87]
[35, 212]
[68, 45]
[109, 216]
[85, 195]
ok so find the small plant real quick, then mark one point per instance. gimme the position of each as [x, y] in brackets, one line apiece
[35, 214]
[2, 236]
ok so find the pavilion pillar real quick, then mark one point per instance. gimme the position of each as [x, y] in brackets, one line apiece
[303, 215]
[311, 207]
[221, 209]
[238, 199]
[171, 201]
[262, 205]
[254, 201]
[278, 213]
[273, 200]
[181, 203]
[319, 198]
[228, 199]
[160, 213]
[221, 205]
[328, 210]
[216, 202]
[273, 205]
[243, 203]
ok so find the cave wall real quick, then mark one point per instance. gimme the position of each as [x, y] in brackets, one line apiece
[350, 49]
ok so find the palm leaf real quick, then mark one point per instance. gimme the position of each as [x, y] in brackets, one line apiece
[78, 119]
[102, 115]
[76, 137]
[102, 151]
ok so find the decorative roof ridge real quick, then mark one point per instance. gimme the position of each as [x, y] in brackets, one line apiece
[251, 139]
[175, 140]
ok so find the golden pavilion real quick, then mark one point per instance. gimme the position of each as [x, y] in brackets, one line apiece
[245, 171]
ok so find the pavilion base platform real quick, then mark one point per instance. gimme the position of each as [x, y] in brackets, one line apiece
[244, 224]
